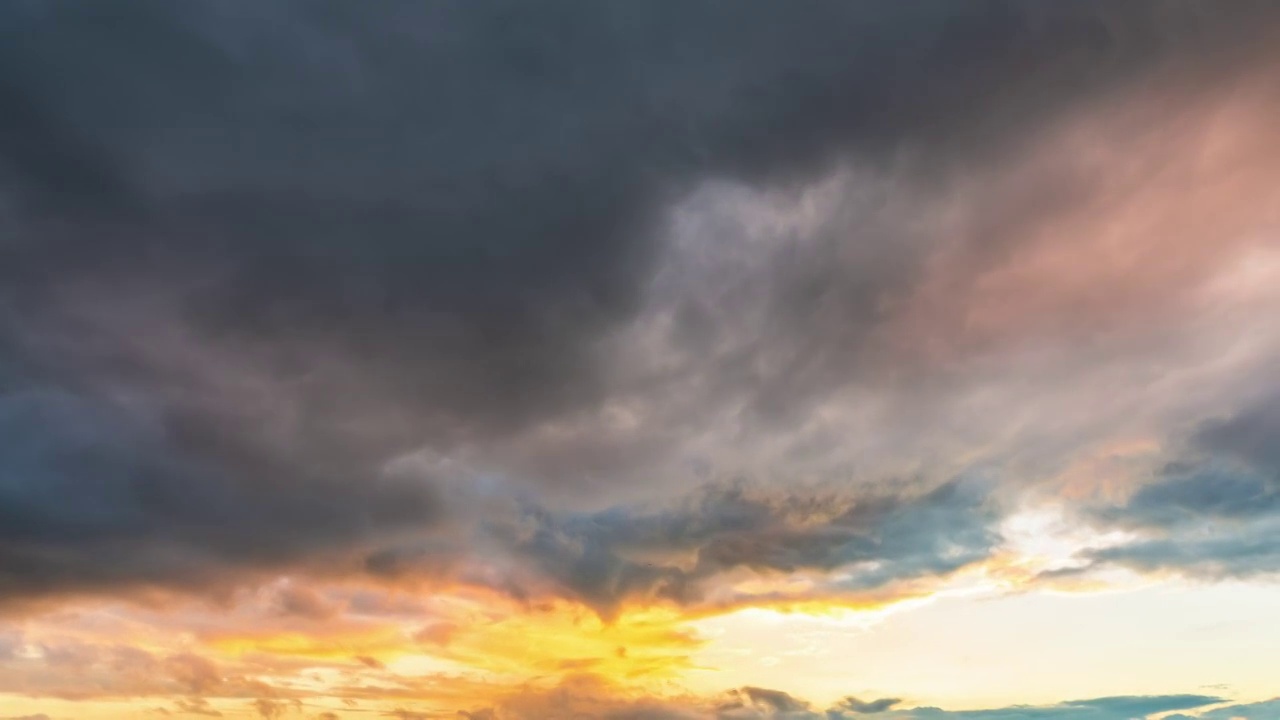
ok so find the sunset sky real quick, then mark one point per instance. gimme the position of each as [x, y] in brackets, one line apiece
[640, 360]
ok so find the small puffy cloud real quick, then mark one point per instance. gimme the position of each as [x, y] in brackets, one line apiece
[865, 707]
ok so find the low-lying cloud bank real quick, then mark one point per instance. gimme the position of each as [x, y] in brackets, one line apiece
[586, 698]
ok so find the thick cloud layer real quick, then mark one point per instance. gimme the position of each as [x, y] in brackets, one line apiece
[252, 256]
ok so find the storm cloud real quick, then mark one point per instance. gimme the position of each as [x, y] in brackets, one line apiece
[250, 257]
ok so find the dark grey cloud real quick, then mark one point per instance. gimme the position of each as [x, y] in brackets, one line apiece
[90, 500]
[1230, 471]
[866, 707]
[247, 255]
[752, 702]
[677, 553]
[461, 196]
[1248, 437]
[1214, 511]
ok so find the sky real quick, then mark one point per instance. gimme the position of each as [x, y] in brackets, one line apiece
[617, 360]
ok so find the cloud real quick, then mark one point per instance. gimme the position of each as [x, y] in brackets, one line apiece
[1108, 708]
[586, 696]
[299, 601]
[450, 252]
[54, 666]
[270, 709]
[369, 662]
[679, 551]
[591, 699]
[255, 255]
[867, 707]
[103, 672]
[1246, 711]
[93, 501]
[756, 702]
[196, 706]
[615, 304]
[1212, 512]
